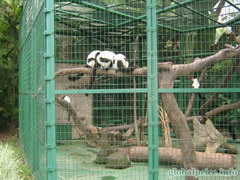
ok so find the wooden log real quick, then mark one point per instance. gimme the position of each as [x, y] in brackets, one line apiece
[211, 161]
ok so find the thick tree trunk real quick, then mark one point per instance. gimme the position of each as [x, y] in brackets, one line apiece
[178, 120]
[211, 161]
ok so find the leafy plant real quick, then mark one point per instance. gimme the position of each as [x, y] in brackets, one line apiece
[10, 14]
[9, 163]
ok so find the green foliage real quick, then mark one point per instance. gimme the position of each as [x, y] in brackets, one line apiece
[9, 163]
[12, 165]
[10, 14]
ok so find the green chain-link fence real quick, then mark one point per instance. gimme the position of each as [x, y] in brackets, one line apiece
[171, 103]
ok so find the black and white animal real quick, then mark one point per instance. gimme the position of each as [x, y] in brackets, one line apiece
[196, 85]
[121, 63]
[68, 100]
[232, 126]
[90, 63]
[105, 59]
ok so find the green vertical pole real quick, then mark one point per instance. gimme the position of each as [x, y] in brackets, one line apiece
[152, 78]
[49, 90]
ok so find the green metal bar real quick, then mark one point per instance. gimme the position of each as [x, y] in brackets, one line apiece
[95, 6]
[152, 82]
[84, 17]
[100, 91]
[232, 5]
[143, 90]
[201, 14]
[204, 27]
[200, 90]
[168, 27]
[169, 8]
[49, 91]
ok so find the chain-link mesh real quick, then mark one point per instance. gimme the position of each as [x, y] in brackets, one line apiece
[136, 97]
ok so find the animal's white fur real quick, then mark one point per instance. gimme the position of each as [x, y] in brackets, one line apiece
[195, 83]
[92, 55]
[123, 59]
[67, 99]
[109, 55]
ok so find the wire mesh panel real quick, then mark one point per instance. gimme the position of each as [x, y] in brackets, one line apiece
[99, 44]
[31, 88]
[143, 89]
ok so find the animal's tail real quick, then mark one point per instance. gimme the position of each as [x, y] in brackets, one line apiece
[131, 68]
[201, 96]
[93, 77]
[75, 77]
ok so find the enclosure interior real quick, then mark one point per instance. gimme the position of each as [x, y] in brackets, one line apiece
[113, 114]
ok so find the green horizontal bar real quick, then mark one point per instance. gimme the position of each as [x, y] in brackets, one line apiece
[100, 91]
[235, 20]
[142, 90]
[200, 90]
[112, 107]
[204, 27]
[169, 8]
[84, 17]
[201, 14]
[95, 6]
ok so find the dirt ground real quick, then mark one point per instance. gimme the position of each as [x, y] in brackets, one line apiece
[9, 136]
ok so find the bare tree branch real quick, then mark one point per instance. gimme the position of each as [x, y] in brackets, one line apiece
[198, 64]
[138, 71]
[223, 108]
[209, 102]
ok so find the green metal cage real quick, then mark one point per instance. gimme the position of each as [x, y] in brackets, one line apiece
[173, 113]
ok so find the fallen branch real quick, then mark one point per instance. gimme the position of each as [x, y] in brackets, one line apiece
[211, 161]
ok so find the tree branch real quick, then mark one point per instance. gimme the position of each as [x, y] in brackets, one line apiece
[223, 108]
[198, 64]
[209, 102]
[138, 71]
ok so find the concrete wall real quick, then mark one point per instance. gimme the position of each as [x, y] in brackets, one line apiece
[81, 103]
